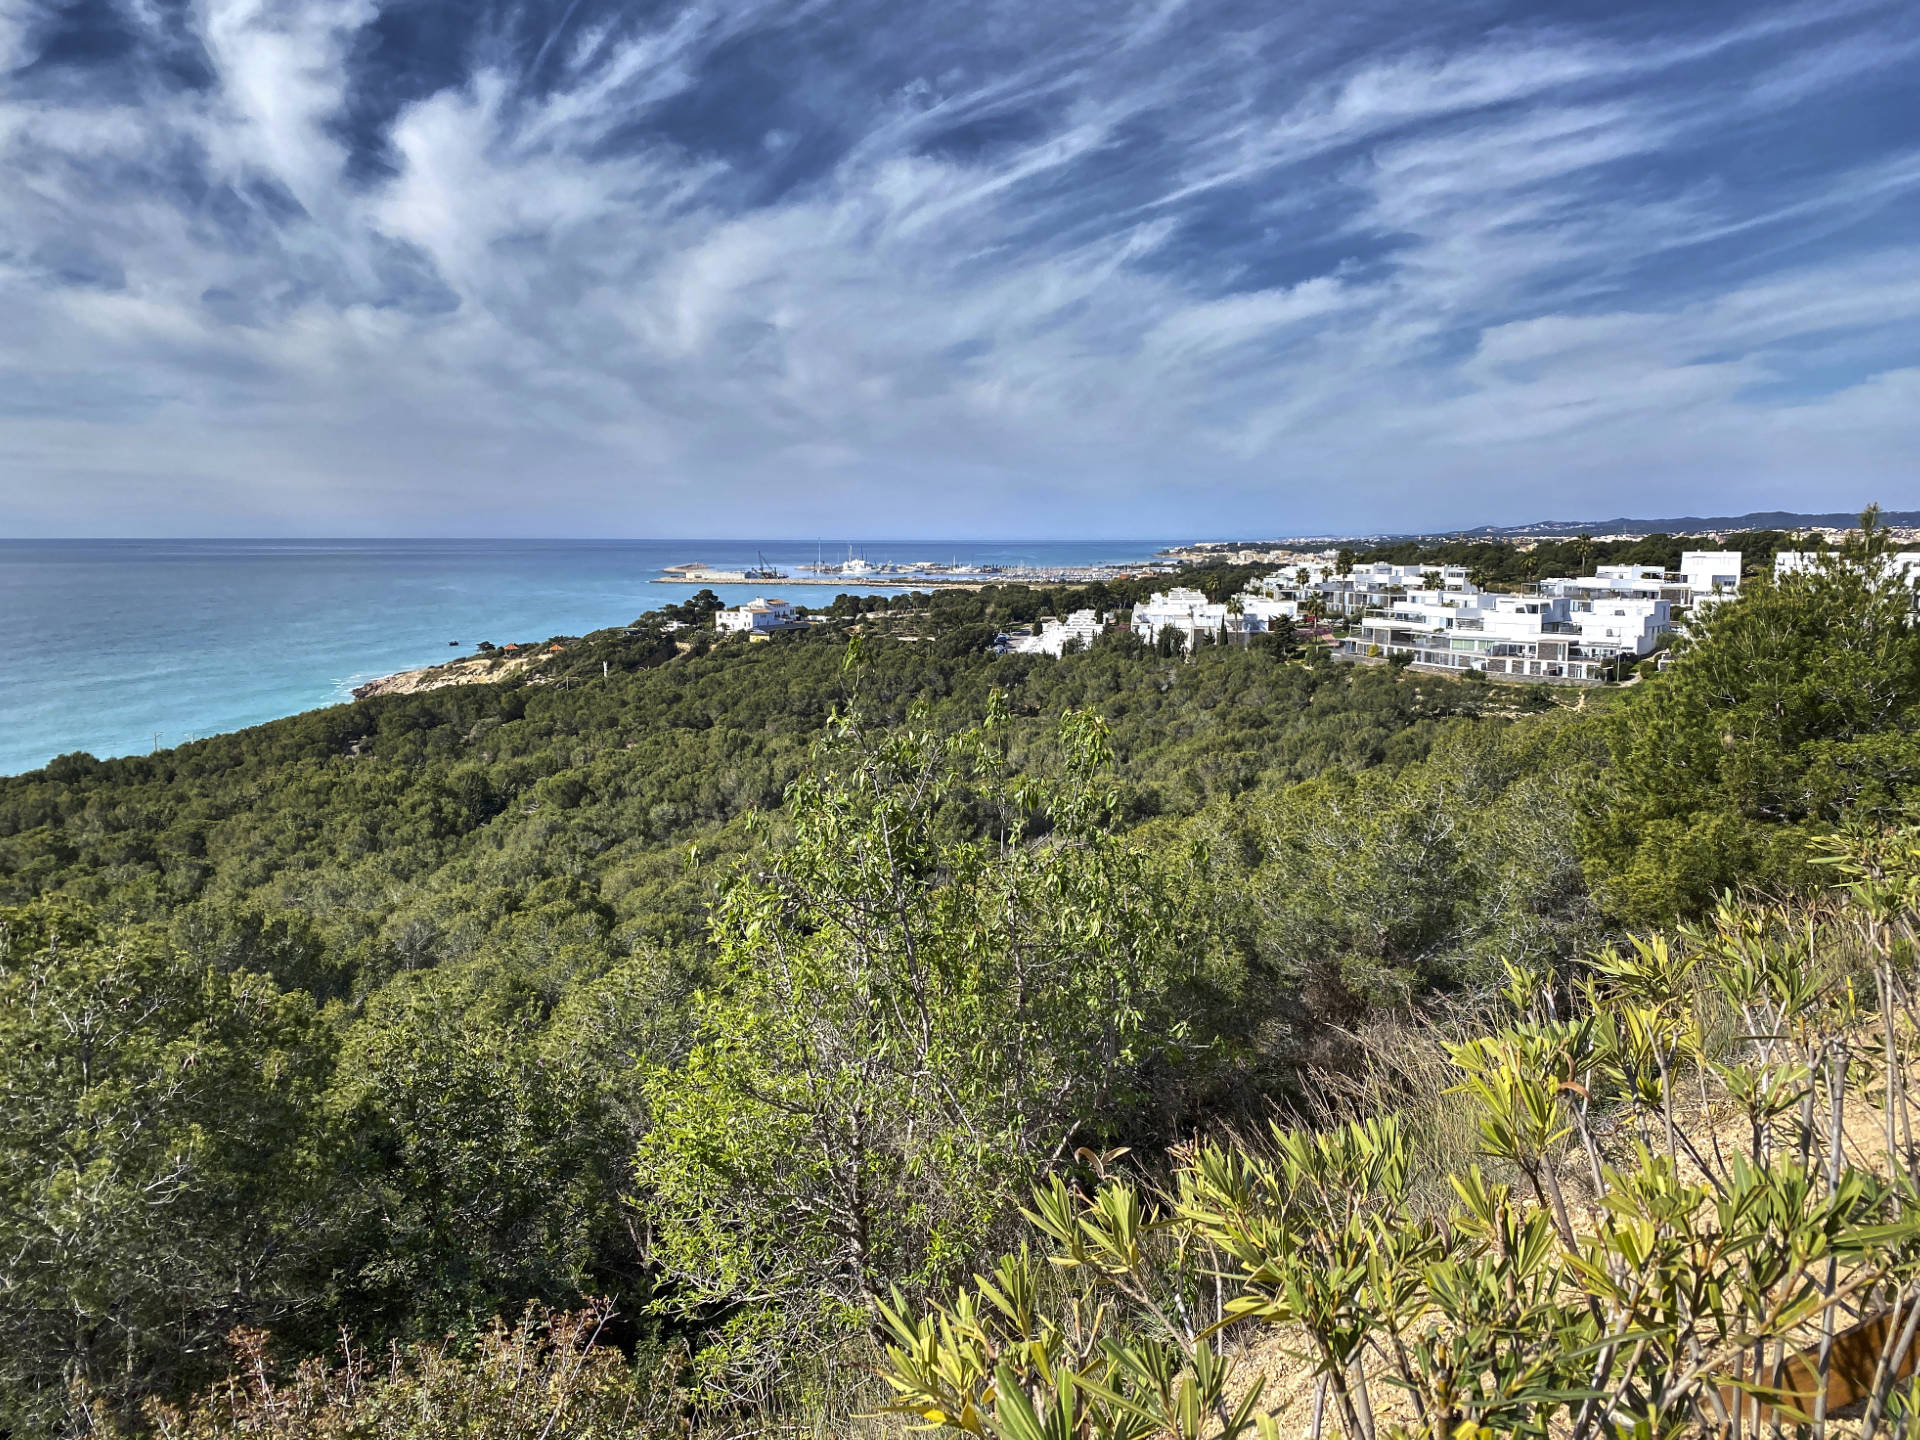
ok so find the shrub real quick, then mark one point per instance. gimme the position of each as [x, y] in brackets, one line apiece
[548, 1376]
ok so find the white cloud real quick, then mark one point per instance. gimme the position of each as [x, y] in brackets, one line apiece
[281, 67]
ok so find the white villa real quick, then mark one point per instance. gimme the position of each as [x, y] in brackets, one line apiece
[1711, 573]
[1619, 624]
[1626, 582]
[1266, 610]
[759, 616]
[1288, 580]
[1382, 576]
[1702, 574]
[1191, 614]
[1904, 563]
[1082, 627]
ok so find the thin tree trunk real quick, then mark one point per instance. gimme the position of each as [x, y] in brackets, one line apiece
[1888, 1367]
[1836, 1133]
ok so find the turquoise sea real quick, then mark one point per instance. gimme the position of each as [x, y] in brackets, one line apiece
[122, 646]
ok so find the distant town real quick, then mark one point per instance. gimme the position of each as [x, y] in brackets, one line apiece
[1578, 629]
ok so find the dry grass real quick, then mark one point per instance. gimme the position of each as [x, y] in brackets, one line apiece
[1400, 1067]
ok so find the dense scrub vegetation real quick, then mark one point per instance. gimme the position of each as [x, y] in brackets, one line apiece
[744, 991]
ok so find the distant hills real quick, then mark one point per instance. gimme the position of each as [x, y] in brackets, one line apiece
[1540, 529]
[1689, 524]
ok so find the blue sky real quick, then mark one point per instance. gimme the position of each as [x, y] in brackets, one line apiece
[415, 267]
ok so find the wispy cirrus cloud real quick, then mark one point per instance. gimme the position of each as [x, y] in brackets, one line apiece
[408, 266]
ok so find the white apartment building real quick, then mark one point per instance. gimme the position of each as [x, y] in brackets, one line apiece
[759, 616]
[1328, 591]
[1613, 625]
[1541, 636]
[1082, 627]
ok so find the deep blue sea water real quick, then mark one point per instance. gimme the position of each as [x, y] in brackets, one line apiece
[118, 647]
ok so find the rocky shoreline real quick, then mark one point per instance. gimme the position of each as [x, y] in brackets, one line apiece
[475, 670]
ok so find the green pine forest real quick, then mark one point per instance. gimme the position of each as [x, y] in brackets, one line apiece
[859, 1030]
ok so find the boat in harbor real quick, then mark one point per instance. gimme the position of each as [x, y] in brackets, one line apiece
[858, 567]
